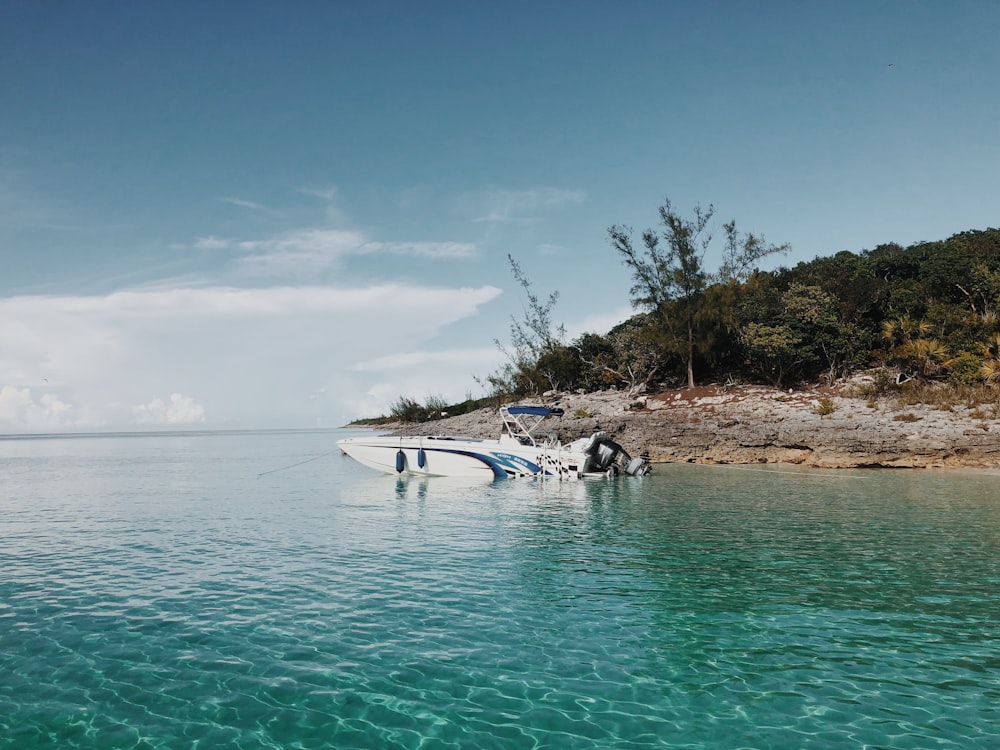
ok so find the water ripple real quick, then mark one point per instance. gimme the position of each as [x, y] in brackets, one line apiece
[159, 594]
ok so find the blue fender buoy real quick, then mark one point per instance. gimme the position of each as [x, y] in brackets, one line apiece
[421, 458]
[400, 461]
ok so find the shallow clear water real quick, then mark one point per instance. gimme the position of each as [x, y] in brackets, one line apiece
[159, 591]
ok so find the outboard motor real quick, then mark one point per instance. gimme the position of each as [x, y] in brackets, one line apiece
[607, 456]
[623, 463]
[638, 467]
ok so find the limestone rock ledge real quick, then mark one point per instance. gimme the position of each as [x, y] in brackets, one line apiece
[754, 424]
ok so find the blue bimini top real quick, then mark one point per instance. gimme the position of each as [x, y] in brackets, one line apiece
[537, 411]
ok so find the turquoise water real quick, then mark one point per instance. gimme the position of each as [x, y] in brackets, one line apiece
[159, 592]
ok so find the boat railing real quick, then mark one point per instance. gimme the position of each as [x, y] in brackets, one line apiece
[520, 422]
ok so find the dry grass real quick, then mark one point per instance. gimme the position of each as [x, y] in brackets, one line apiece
[825, 407]
[947, 396]
[942, 396]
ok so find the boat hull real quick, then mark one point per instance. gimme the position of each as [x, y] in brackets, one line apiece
[490, 459]
[451, 457]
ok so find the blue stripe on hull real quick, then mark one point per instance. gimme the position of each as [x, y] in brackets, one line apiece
[500, 463]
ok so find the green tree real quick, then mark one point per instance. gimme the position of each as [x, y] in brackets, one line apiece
[773, 349]
[827, 341]
[560, 367]
[798, 333]
[406, 409]
[669, 275]
[630, 356]
[536, 356]
[741, 254]
[597, 355]
[847, 277]
[669, 278]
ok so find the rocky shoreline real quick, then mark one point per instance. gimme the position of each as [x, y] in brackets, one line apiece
[825, 428]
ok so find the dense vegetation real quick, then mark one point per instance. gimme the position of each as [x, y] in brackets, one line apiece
[928, 313]
[406, 409]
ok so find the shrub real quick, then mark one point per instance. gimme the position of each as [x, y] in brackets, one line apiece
[407, 410]
[882, 384]
[966, 369]
[826, 407]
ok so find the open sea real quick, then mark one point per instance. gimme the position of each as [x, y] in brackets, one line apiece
[176, 591]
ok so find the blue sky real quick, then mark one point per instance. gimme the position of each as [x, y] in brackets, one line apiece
[253, 214]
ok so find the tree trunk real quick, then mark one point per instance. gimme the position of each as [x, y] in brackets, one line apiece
[690, 355]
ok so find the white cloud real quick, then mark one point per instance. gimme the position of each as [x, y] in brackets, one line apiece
[280, 356]
[502, 206]
[324, 194]
[178, 410]
[211, 243]
[306, 252]
[240, 202]
[21, 312]
[451, 358]
[449, 374]
[323, 241]
[21, 412]
[599, 322]
[328, 196]
[437, 250]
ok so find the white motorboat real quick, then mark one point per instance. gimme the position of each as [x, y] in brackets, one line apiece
[517, 452]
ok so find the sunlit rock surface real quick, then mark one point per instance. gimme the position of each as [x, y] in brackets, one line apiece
[756, 424]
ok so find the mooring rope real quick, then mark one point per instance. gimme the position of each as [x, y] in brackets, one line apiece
[300, 463]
